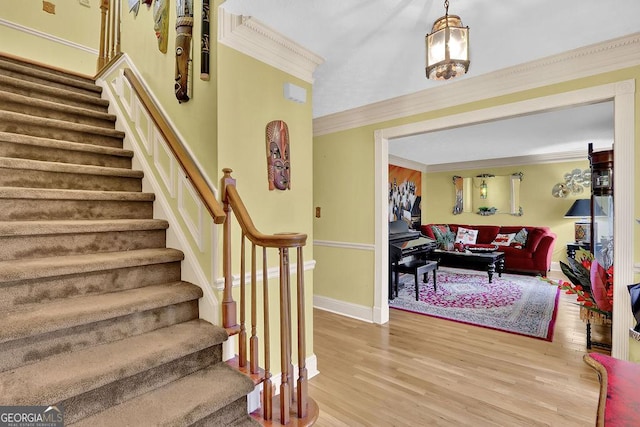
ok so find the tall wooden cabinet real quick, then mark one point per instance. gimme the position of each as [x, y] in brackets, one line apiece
[602, 205]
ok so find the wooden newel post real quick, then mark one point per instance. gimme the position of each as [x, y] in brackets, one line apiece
[229, 318]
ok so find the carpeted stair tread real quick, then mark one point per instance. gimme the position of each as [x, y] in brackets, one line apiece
[39, 165]
[13, 117]
[40, 318]
[28, 269]
[41, 75]
[34, 228]
[58, 377]
[54, 110]
[57, 194]
[6, 57]
[179, 403]
[37, 141]
[42, 91]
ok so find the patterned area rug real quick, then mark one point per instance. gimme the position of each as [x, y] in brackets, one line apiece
[523, 305]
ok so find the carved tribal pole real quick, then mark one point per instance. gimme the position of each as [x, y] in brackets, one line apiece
[184, 25]
[204, 55]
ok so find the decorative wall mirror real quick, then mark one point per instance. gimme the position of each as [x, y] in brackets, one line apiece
[487, 194]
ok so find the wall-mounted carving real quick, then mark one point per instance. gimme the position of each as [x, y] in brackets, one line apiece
[184, 26]
[575, 183]
[161, 23]
[278, 155]
[204, 41]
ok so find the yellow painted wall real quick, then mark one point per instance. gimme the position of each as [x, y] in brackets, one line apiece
[71, 22]
[196, 120]
[252, 95]
[355, 226]
[540, 208]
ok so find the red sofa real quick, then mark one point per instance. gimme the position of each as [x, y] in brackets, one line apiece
[533, 257]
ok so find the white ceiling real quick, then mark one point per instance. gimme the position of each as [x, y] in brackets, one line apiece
[374, 50]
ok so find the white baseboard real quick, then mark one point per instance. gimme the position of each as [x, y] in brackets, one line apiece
[355, 311]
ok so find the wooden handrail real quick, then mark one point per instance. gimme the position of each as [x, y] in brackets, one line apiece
[184, 159]
[281, 240]
[293, 402]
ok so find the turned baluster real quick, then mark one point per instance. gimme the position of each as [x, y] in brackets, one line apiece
[285, 387]
[267, 393]
[253, 341]
[102, 56]
[302, 368]
[112, 27]
[242, 336]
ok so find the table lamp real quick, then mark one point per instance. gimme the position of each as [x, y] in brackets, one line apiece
[581, 208]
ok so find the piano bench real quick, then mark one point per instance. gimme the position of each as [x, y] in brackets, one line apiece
[417, 267]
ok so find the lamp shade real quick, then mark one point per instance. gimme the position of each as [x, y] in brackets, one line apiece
[580, 208]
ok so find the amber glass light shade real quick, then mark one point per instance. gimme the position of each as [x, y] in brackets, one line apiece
[483, 190]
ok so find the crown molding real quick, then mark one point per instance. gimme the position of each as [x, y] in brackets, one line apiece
[249, 36]
[406, 163]
[569, 156]
[587, 61]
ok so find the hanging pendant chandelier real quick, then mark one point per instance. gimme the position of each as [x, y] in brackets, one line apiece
[447, 47]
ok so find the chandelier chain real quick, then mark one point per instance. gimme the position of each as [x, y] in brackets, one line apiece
[446, 7]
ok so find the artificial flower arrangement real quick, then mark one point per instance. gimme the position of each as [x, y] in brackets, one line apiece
[592, 283]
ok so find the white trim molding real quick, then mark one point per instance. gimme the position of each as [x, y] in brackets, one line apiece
[355, 311]
[345, 245]
[49, 37]
[569, 156]
[587, 61]
[272, 273]
[249, 36]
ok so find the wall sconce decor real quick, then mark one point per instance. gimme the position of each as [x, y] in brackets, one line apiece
[483, 190]
[574, 183]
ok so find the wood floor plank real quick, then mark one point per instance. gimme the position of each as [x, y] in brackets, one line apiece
[423, 371]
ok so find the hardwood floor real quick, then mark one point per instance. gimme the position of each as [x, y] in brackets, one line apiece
[422, 371]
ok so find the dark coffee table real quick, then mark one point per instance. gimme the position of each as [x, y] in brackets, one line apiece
[491, 262]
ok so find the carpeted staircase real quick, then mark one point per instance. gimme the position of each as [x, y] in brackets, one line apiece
[93, 313]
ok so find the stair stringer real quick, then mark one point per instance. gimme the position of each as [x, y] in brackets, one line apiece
[181, 235]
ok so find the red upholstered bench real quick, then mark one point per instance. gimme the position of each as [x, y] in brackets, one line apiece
[619, 402]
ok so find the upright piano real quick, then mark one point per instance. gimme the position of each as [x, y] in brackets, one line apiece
[406, 244]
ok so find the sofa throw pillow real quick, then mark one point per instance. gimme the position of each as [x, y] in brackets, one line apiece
[443, 234]
[466, 236]
[440, 230]
[503, 239]
[521, 237]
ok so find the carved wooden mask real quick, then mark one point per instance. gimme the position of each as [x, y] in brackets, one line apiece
[161, 23]
[278, 168]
